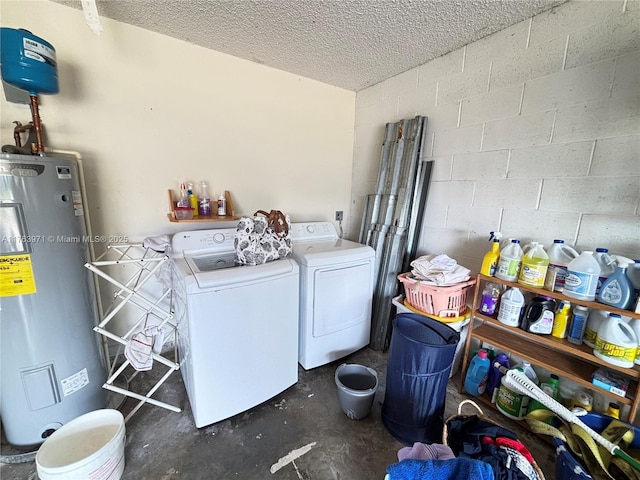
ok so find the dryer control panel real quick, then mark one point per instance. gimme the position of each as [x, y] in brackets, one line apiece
[313, 231]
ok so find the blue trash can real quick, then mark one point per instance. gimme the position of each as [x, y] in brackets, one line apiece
[421, 353]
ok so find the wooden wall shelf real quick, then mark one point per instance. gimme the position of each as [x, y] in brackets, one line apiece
[231, 214]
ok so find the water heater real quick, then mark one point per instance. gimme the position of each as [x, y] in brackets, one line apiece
[51, 365]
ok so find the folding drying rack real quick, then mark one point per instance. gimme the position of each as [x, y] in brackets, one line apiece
[147, 263]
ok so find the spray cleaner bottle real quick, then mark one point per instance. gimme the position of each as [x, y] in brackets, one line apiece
[490, 260]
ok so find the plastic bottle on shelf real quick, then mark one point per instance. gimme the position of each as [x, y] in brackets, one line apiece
[511, 305]
[616, 343]
[552, 388]
[561, 320]
[613, 410]
[538, 315]
[193, 200]
[617, 289]
[582, 277]
[184, 197]
[490, 260]
[582, 399]
[607, 265]
[510, 403]
[510, 261]
[596, 318]
[578, 324]
[534, 266]
[495, 374]
[560, 255]
[475, 383]
[490, 296]
[634, 323]
[205, 200]
[222, 204]
[633, 272]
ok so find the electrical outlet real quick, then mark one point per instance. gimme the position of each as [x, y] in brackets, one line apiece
[339, 215]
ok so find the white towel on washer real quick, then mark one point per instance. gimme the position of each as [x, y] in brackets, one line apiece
[440, 270]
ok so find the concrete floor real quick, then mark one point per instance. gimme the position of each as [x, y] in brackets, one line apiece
[162, 445]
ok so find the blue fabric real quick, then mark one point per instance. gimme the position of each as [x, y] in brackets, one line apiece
[453, 469]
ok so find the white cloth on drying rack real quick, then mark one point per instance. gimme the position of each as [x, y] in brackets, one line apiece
[143, 344]
[158, 244]
[440, 270]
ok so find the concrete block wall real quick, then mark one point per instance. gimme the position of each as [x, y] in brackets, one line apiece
[534, 131]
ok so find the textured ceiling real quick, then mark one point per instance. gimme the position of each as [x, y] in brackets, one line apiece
[346, 43]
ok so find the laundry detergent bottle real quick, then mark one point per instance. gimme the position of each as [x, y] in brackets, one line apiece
[582, 277]
[534, 266]
[616, 342]
[475, 383]
[490, 260]
[511, 305]
[596, 319]
[560, 255]
[607, 265]
[510, 261]
[538, 316]
[617, 289]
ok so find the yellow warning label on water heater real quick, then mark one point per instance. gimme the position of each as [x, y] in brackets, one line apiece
[16, 275]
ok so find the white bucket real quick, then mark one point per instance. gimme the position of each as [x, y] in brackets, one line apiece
[90, 446]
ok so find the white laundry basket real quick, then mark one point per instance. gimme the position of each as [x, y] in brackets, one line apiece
[90, 446]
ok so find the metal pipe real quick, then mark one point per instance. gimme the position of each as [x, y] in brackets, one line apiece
[35, 113]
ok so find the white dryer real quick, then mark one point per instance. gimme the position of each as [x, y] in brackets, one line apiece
[336, 292]
[237, 325]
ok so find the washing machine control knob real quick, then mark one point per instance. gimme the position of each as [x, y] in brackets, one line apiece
[218, 238]
[311, 228]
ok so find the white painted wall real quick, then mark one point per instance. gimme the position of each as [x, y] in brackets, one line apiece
[534, 131]
[147, 111]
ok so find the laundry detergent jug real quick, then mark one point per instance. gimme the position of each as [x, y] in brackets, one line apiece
[538, 315]
[616, 342]
[534, 266]
[560, 255]
[582, 277]
[510, 261]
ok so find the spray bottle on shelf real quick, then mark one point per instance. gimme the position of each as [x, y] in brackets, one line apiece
[633, 272]
[193, 201]
[510, 261]
[490, 260]
[184, 198]
[617, 289]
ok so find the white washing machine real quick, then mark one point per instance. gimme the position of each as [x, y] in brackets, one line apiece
[336, 292]
[237, 325]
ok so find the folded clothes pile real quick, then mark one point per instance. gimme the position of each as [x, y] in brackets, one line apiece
[440, 270]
